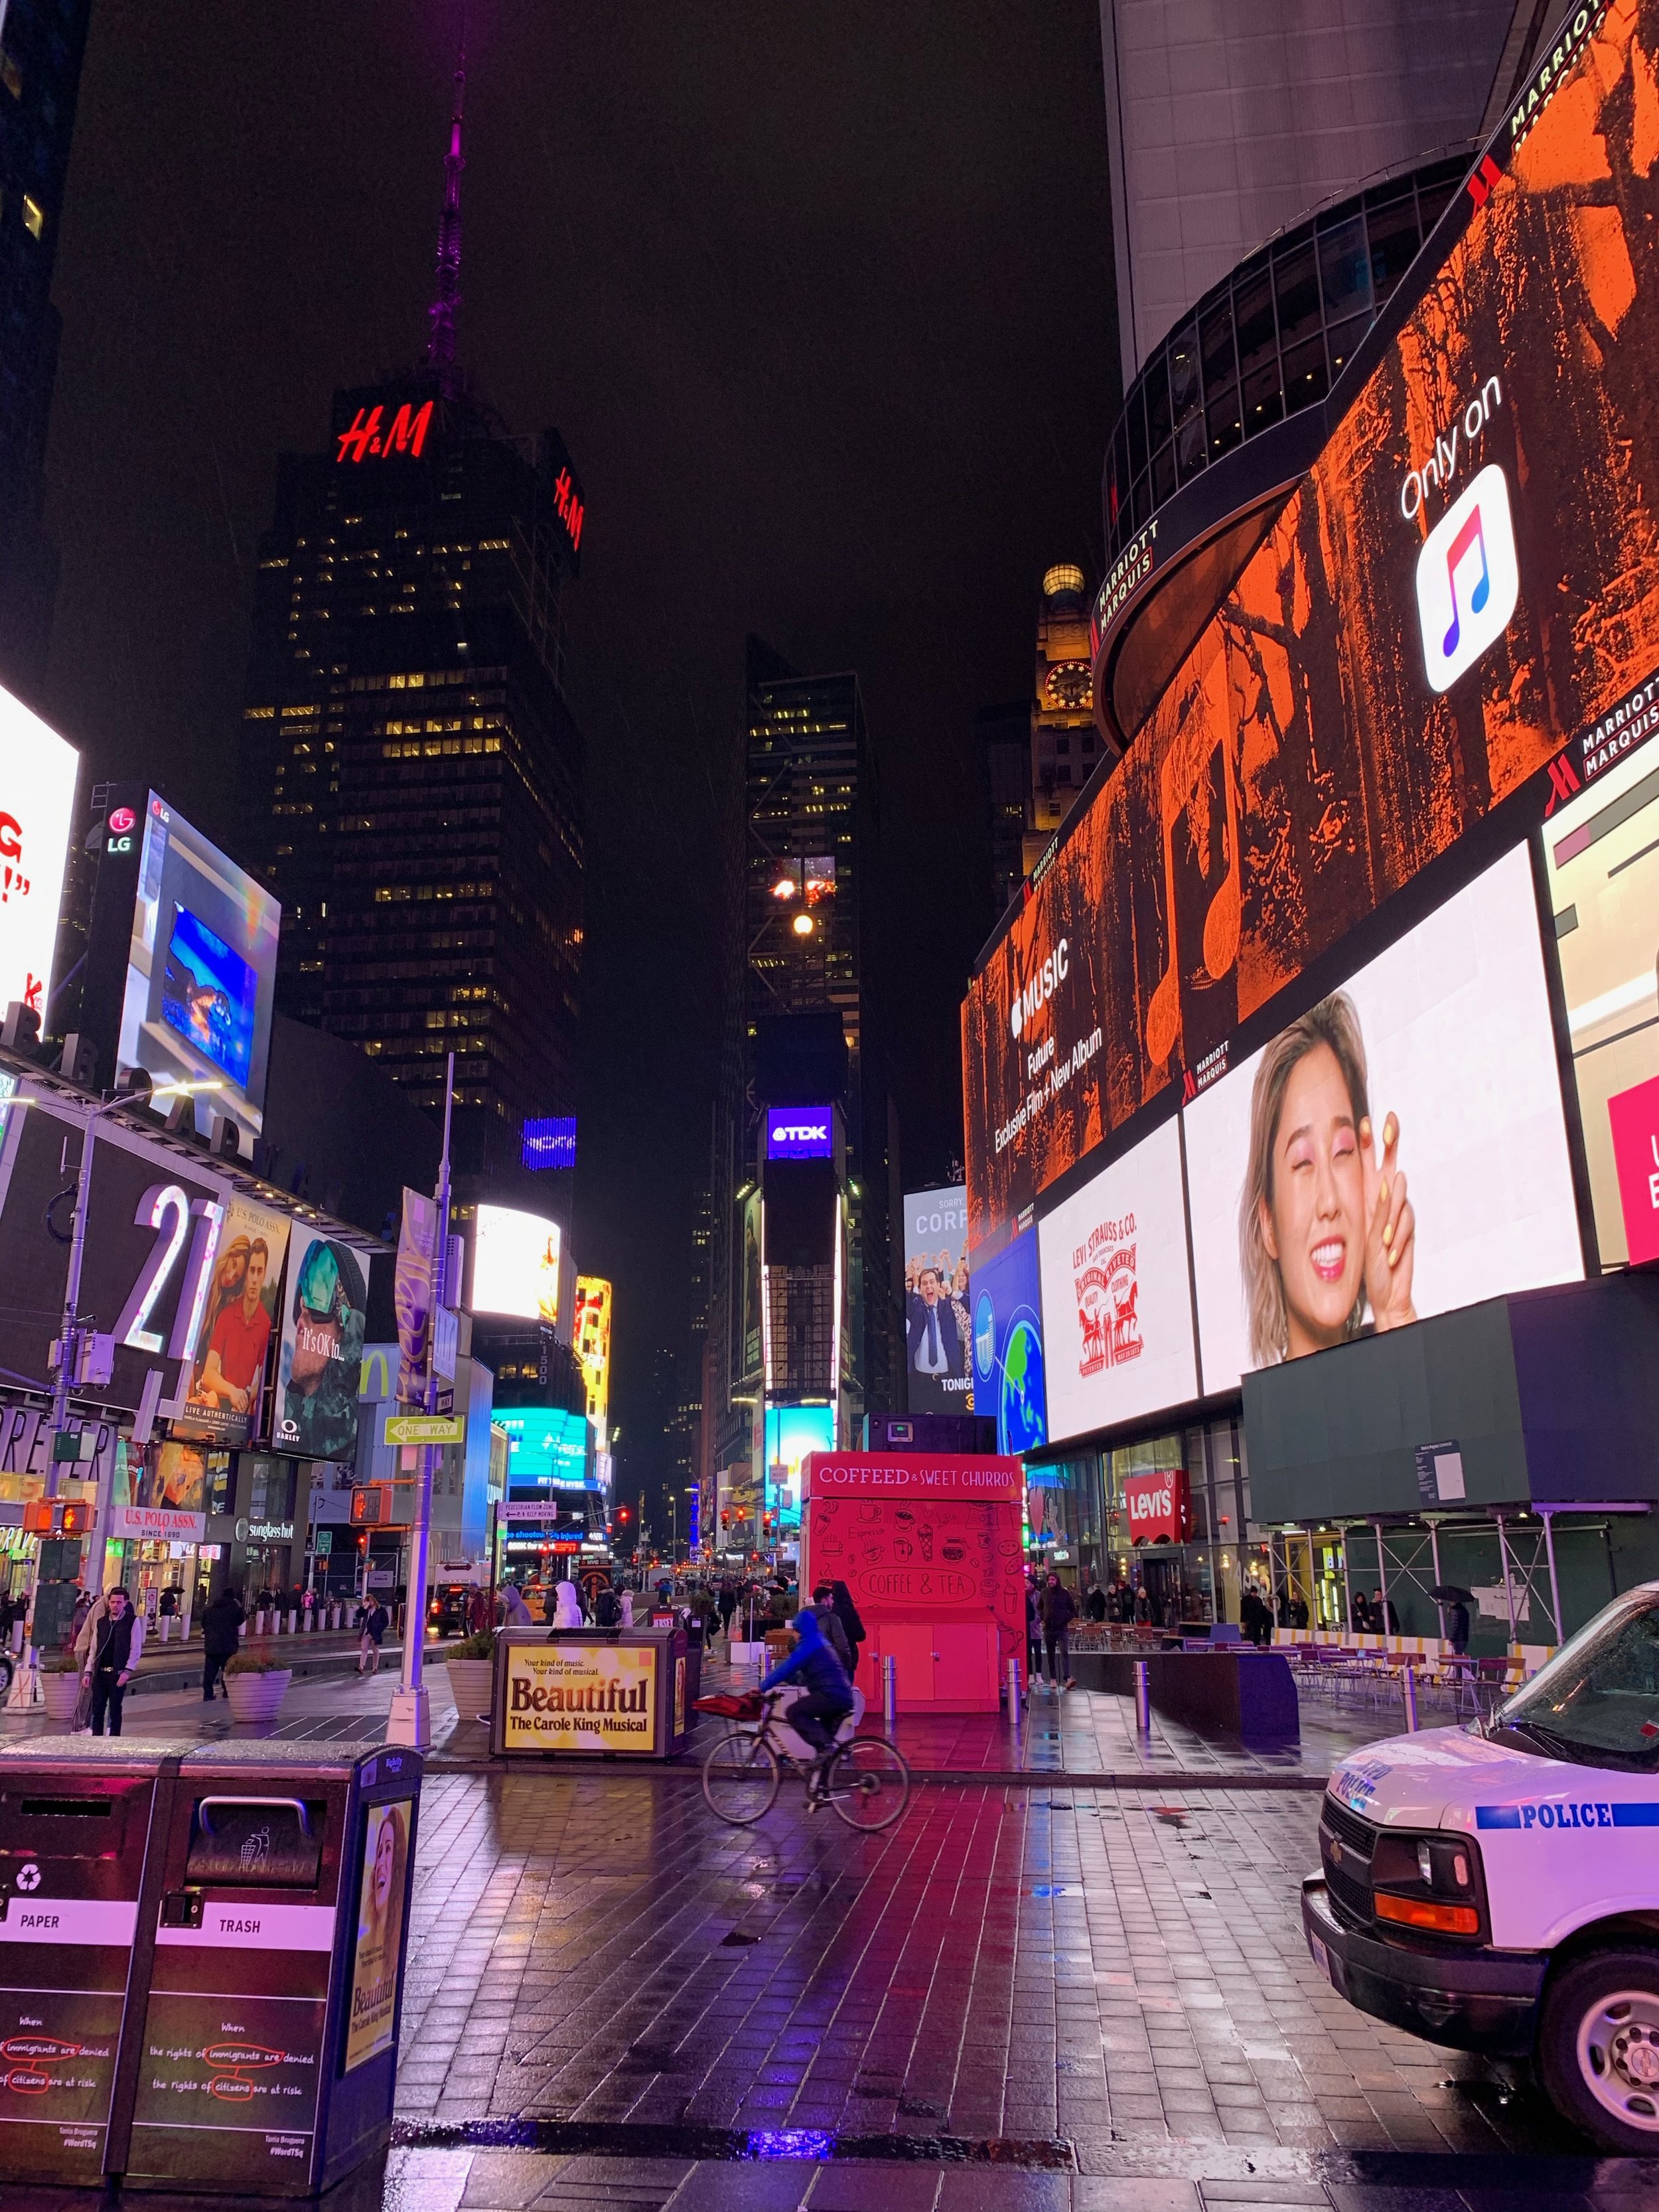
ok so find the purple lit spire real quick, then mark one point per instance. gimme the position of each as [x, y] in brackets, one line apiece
[440, 315]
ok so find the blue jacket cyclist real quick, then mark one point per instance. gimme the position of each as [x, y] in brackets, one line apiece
[829, 1697]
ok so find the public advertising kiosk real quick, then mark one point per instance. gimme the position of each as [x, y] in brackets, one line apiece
[930, 1548]
[618, 1692]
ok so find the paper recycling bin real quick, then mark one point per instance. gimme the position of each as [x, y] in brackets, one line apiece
[75, 1818]
[242, 1949]
[618, 1692]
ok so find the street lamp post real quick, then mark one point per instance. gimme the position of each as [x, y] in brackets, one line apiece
[411, 1721]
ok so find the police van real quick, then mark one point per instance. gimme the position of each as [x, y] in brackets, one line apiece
[1496, 1888]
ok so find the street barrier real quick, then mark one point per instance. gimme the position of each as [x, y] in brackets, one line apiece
[201, 1959]
[1143, 1698]
[890, 1694]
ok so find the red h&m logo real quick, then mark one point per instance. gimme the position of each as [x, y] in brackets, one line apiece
[1563, 783]
[371, 438]
[1482, 184]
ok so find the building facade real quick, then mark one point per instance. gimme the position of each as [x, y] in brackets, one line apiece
[805, 1029]
[1224, 126]
[41, 45]
[1367, 886]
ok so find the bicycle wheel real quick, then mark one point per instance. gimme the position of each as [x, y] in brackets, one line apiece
[740, 1778]
[869, 1783]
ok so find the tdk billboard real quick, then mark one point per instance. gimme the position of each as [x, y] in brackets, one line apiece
[801, 1133]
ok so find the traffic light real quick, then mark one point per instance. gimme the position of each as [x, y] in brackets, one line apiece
[57, 1516]
[623, 1514]
[368, 1504]
[76, 1518]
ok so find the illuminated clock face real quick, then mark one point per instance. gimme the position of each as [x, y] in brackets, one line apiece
[1067, 685]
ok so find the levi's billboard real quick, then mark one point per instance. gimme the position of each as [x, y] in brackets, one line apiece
[1465, 583]
[1158, 1506]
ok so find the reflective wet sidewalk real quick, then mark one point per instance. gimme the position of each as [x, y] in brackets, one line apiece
[1098, 2000]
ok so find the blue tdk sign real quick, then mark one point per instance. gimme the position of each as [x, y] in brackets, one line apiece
[799, 1132]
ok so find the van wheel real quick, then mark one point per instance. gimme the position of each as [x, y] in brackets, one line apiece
[1598, 2048]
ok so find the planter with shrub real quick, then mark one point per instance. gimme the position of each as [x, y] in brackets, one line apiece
[256, 1686]
[60, 1685]
[471, 1666]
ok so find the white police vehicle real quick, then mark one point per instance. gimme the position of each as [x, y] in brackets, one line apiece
[1496, 1888]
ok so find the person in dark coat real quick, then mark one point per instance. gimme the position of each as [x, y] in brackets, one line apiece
[1095, 1604]
[221, 1625]
[852, 1626]
[823, 1604]
[1059, 1612]
[1457, 1627]
[117, 1641]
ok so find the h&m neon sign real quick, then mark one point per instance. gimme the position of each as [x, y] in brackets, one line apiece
[372, 438]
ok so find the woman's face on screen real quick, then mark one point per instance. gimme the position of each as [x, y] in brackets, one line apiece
[1314, 1226]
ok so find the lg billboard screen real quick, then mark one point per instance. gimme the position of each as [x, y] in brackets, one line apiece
[201, 978]
[1465, 587]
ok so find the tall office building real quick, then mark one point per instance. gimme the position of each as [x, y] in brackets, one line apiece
[416, 774]
[41, 45]
[1226, 124]
[805, 1307]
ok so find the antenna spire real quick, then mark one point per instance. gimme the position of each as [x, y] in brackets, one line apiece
[440, 315]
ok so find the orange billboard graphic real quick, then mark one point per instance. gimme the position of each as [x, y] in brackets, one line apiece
[1466, 581]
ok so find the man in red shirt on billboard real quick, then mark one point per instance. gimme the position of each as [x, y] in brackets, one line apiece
[235, 1360]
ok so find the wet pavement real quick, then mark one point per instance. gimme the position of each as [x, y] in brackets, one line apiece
[1057, 1992]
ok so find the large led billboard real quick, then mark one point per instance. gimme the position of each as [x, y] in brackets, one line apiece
[201, 974]
[36, 804]
[1450, 606]
[1116, 1297]
[938, 1310]
[548, 1448]
[791, 1431]
[515, 1264]
[1601, 854]
[592, 1334]
[1398, 1151]
[1009, 1375]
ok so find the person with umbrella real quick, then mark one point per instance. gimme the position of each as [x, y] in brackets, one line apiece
[1454, 1602]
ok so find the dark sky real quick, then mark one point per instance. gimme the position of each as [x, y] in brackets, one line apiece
[819, 295]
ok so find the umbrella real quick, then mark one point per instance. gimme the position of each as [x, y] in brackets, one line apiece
[1451, 1594]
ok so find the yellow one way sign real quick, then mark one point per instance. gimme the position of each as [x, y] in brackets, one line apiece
[425, 1429]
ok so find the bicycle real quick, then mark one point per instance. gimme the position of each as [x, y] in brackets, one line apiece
[864, 1779]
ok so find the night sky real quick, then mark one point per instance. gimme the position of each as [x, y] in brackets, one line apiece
[820, 297]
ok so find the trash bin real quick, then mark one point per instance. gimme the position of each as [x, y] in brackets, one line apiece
[621, 1693]
[78, 1917]
[267, 2035]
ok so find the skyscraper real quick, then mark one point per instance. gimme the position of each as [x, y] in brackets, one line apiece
[1225, 125]
[806, 1028]
[416, 774]
[41, 45]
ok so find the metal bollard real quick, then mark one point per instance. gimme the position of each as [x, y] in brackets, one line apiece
[890, 1694]
[1143, 1699]
[1408, 1684]
[1013, 1694]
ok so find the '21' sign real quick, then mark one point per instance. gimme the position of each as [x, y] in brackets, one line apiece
[170, 1212]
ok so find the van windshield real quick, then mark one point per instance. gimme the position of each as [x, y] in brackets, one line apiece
[1597, 1700]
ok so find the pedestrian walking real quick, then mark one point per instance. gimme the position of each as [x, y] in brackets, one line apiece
[1095, 1604]
[221, 1629]
[1059, 1612]
[847, 1614]
[376, 1620]
[117, 1643]
[728, 1604]
[1457, 1626]
[607, 1609]
[515, 1613]
[823, 1604]
[1033, 1632]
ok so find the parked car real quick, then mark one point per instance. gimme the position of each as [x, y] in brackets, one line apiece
[1496, 1888]
[446, 1611]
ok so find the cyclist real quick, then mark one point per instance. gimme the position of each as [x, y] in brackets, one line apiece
[828, 1697]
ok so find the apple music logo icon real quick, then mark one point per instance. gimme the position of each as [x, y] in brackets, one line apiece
[1467, 579]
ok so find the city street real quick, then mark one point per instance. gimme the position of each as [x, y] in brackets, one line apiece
[1025, 1995]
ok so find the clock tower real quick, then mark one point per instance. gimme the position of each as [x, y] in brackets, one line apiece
[1065, 747]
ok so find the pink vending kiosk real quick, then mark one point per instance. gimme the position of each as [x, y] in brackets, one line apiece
[930, 1548]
